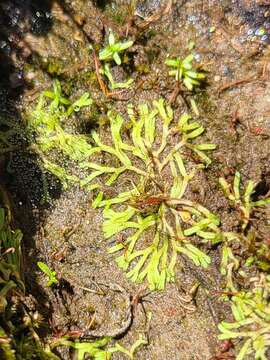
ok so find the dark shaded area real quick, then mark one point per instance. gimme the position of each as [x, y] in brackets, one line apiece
[255, 15]
[16, 18]
[263, 187]
[101, 3]
[22, 179]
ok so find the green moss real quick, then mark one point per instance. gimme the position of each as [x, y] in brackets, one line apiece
[52, 65]
[47, 123]
[143, 69]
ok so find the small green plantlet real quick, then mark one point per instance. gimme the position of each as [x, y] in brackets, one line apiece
[59, 102]
[184, 72]
[242, 202]
[153, 210]
[113, 49]
[251, 325]
[94, 349]
[114, 85]
[52, 279]
[56, 96]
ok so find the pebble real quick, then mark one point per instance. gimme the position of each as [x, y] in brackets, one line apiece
[30, 75]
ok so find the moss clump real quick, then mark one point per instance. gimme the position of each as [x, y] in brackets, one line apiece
[47, 123]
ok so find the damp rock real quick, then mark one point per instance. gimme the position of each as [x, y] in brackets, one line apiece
[41, 22]
[147, 7]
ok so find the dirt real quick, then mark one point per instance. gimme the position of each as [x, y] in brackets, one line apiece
[234, 107]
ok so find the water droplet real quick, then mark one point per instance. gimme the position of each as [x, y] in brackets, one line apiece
[242, 39]
[250, 31]
[260, 32]
[192, 18]
[3, 44]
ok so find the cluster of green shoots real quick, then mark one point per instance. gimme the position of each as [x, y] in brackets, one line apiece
[112, 53]
[151, 220]
[250, 308]
[251, 313]
[243, 203]
[51, 274]
[48, 123]
[184, 72]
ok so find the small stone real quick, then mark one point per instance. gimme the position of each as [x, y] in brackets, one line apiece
[242, 40]
[30, 75]
[217, 78]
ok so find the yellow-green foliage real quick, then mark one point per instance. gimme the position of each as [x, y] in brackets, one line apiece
[113, 49]
[251, 312]
[95, 348]
[155, 219]
[184, 71]
[100, 349]
[48, 123]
